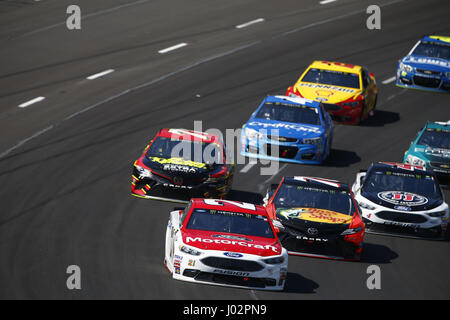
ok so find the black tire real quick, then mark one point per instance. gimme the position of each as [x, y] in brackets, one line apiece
[361, 120]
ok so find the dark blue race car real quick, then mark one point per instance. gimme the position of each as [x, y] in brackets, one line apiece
[288, 129]
[427, 66]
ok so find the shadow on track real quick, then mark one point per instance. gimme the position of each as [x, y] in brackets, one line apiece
[296, 283]
[377, 254]
[341, 158]
[381, 118]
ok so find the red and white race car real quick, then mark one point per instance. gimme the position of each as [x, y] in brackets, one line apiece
[225, 243]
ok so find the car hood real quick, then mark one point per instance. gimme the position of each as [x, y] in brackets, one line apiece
[210, 240]
[325, 93]
[286, 129]
[405, 201]
[326, 222]
[434, 64]
[178, 167]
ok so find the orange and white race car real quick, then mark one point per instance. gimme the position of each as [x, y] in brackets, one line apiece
[348, 92]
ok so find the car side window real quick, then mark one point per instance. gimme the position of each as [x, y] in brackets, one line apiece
[185, 213]
[325, 116]
[365, 78]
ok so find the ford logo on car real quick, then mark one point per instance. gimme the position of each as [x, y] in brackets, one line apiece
[233, 254]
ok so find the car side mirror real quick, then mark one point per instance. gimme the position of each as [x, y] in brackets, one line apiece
[278, 226]
[175, 217]
[361, 180]
[271, 190]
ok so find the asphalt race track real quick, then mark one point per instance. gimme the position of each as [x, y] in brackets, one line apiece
[65, 161]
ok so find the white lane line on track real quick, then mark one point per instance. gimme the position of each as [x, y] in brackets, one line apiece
[261, 185]
[327, 1]
[149, 83]
[124, 92]
[175, 47]
[100, 74]
[89, 15]
[253, 295]
[30, 102]
[389, 80]
[22, 142]
[394, 96]
[240, 26]
[248, 166]
[315, 24]
[275, 174]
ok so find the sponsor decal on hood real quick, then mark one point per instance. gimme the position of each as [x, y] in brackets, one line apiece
[426, 60]
[316, 215]
[326, 93]
[179, 168]
[325, 86]
[177, 161]
[288, 126]
[208, 241]
[403, 201]
[230, 237]
[401, 198]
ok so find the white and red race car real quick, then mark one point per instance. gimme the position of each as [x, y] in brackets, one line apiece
[225, 243]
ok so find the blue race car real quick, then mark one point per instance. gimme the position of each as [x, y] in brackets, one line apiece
[290, 129]
[427, 66]
[431, 149]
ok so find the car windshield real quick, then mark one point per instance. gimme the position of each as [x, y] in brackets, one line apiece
[435, 139]
[289, 113]
[291, 196]
[230, 222]
[381, 180]
[433, 49]
[197, 151]
[337, 78]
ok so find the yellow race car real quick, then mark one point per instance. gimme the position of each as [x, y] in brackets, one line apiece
[348, 92]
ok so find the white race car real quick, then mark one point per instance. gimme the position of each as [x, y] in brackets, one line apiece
[401, 199]
[225, 243]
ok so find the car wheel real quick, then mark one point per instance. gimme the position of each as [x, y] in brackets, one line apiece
[361, 116]
[372, 112]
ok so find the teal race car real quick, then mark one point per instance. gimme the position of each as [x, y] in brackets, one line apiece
[431, 149]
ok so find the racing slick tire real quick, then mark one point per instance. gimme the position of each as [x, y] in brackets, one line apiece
[361, 116]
